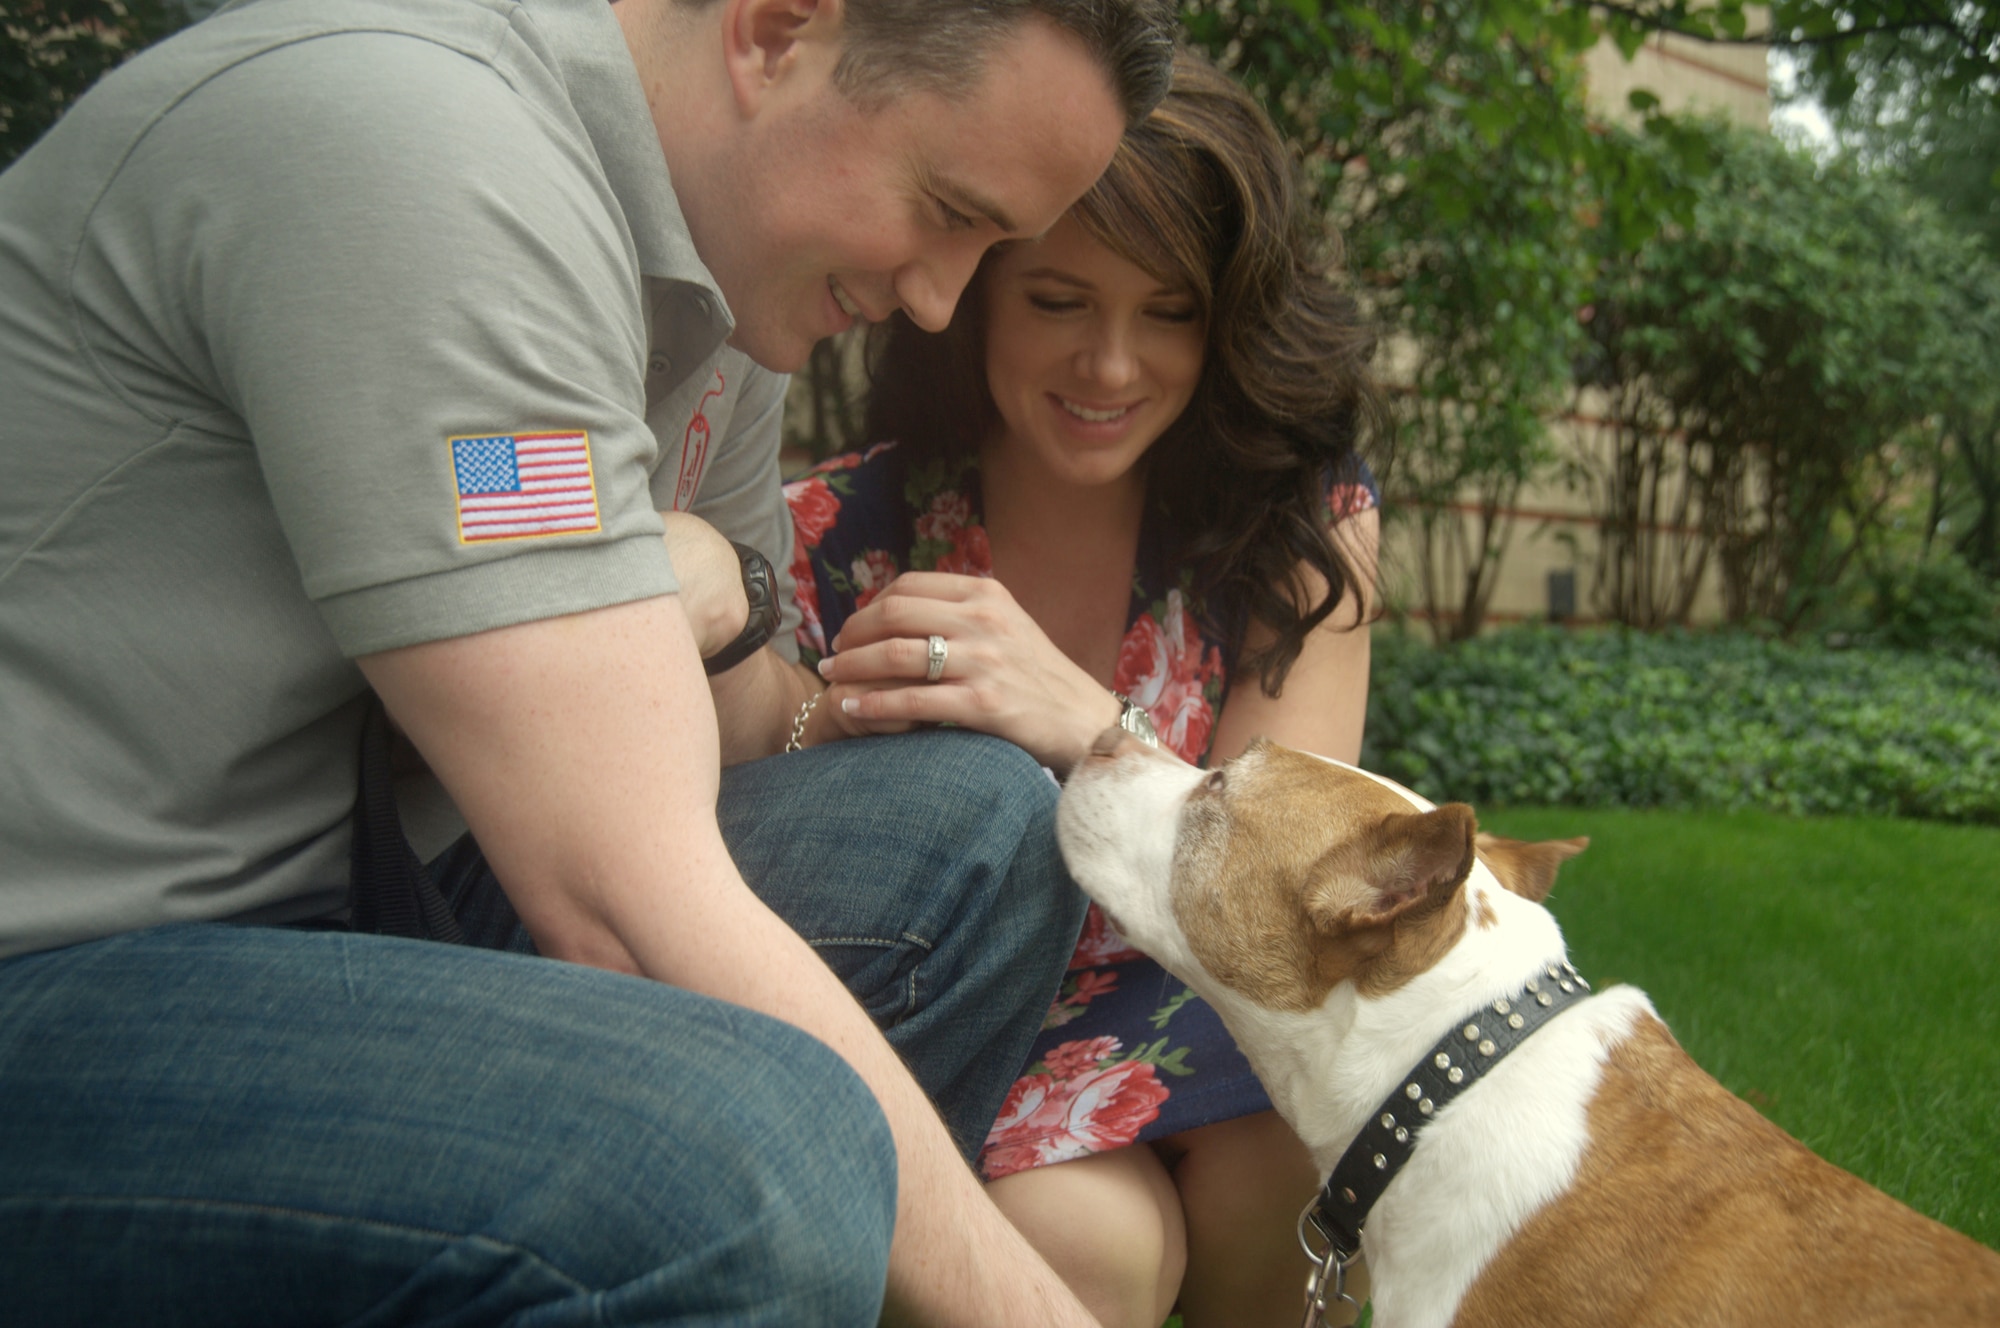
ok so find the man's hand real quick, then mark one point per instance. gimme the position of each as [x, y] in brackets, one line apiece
[711, 578]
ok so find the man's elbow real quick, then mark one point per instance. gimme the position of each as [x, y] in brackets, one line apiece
[573, 936]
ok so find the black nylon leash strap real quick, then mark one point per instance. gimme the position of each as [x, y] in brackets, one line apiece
[1453, 1064]
[390, 892]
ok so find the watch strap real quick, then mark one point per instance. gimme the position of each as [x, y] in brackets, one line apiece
[760, 587]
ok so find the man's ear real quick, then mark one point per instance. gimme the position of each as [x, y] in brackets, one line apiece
[1405, 865]
[1528, 870]
[763, 40]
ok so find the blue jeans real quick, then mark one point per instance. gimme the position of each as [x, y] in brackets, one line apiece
[923, 868]
[210, 1125]
[217, 1125]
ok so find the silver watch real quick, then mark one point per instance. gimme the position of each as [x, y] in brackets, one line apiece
[1135, 721]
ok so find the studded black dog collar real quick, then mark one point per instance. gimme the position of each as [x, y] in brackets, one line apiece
[1450, 1067]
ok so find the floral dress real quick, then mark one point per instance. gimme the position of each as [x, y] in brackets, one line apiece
[1127, 1053]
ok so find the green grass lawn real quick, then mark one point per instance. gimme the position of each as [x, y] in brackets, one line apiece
[1843, 975]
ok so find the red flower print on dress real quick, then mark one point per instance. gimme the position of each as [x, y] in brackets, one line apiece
[1091, 984]
[970, 554]
[1142, 661]
[1055, 1117]
[1077, 992]
[870, 574]
[949, 512]
[1165, 666]
[815, 507]
[811, 634]
[1100, 943]
[1344, 500]
[1069, 1059]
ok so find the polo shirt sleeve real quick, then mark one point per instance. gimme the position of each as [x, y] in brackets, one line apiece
[403, 271]
[743, 494]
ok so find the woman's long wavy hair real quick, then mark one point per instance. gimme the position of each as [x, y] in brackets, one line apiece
[1202, 195]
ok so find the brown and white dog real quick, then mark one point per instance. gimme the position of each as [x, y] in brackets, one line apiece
[1341, 925]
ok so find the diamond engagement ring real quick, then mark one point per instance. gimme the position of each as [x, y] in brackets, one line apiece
[937, 655]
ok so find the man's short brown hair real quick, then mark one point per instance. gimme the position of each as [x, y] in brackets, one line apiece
[896, 46]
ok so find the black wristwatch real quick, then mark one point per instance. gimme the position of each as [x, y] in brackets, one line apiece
[760, 587]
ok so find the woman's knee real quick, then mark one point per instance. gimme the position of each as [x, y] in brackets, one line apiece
[1110, 1224]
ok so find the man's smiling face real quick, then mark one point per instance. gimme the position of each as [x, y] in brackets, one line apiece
[838, 211]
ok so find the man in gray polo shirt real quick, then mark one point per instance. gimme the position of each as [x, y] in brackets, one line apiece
[351, 344]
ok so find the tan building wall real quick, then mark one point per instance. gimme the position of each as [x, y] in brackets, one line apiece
[1684, 75]
[1553, 529]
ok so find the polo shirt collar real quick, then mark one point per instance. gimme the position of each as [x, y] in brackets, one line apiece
[596, 67]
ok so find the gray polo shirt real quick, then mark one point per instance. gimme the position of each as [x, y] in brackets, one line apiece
[327, 327]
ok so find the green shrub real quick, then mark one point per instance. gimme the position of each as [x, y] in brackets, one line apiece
[1938, 604]
[1622, 719]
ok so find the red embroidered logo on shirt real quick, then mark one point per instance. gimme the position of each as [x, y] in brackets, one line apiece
[524, 485]
[694, 447]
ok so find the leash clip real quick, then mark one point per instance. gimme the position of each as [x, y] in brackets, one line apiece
[1326, 1285]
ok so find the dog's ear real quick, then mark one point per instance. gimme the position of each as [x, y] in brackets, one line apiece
[1528, 870]
[1403, 867]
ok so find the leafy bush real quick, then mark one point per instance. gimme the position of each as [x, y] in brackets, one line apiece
[1938, 604]
[1620, 719]
[52, 51]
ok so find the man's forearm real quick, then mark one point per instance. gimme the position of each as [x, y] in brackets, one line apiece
[954, 1258]
[584, 754]
[755, 704]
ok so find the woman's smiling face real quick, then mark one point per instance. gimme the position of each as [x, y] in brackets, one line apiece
[1089, 357]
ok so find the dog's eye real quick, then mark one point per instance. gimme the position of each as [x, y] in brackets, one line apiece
[1214, 782]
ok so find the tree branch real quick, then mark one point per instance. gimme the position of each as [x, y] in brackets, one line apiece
[1970, 42]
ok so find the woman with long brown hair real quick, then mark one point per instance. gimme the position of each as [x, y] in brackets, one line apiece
[1123, 488]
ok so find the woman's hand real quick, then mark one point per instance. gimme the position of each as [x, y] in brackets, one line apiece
[1002, 674]
[711, 577]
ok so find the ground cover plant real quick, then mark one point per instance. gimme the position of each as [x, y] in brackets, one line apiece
[1542, 716]
[1836, 972]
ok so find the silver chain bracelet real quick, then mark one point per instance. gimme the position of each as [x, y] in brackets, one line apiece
[796, 743]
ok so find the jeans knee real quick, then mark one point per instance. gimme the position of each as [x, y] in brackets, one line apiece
[836, 1180]
[807, 1186]
[990, 782]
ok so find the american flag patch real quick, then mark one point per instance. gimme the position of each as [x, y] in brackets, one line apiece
[521, 485]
